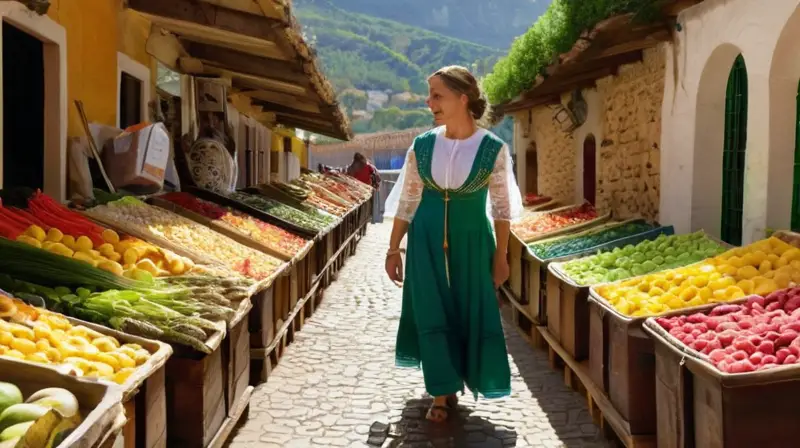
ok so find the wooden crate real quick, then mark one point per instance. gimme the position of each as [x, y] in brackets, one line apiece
[603, 412]
[699, 406]
[100, 402]
[236, 358]
[598, 346]
[196, 404]
[568, 315]
[147, 414]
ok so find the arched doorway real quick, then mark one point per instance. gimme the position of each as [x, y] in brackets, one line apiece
[733, 155]
[590, 169]
[531, 170]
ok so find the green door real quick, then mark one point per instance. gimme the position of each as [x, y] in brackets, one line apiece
[796, 179]
[733, 156]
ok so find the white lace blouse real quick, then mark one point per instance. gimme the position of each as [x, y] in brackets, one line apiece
[450, 167]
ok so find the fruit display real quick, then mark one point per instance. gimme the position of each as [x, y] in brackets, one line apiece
[169, 312]
[570, 244]
[536, 225]
[665, 252]
[50, 226]
[139, 218]
[271, 236]
[44, 337]
[759, 268]
[533, 199]
[306, 202]
[42, 420]
[279, 210]
[760, 334]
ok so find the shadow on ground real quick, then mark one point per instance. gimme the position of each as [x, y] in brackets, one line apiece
[462, 429]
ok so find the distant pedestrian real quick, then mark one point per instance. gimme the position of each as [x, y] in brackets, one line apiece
[363, 170]
[456, 180]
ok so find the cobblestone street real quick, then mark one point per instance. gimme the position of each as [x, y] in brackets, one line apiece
[337, 384]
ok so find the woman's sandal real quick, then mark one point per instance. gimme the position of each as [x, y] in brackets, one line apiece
[438, 413]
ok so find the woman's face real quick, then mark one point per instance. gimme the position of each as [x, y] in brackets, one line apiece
[445, 104]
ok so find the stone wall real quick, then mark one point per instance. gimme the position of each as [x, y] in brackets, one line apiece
[625, 120]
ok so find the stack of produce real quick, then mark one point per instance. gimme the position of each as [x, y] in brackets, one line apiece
[136, 217]
[665, 252]
[320, 188]
[533, 199]
[40, 336]
[150, 308]
[42, 421]
[358, 188]
[760, 268]
[53, 227]
[572, 244]
[539, 224]
[760, 334]
[277, 239]
[342, 185]
[282, 211]
[307, 196]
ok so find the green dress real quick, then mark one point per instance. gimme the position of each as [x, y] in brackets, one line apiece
[450, 321]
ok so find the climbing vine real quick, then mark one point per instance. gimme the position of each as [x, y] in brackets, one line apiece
[555, 32]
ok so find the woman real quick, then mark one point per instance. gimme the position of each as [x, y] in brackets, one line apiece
[364, 171]
[457, 178]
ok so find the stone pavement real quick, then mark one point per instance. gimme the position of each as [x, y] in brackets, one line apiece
[337, 384]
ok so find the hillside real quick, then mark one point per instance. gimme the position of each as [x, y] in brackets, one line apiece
[493, 23]
[369, 53]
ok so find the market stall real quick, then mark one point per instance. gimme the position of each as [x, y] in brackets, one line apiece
[175, 276]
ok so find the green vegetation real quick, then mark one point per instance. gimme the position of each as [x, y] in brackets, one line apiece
[394, 118]
[493, 23]
[554, 33]
[368, 53]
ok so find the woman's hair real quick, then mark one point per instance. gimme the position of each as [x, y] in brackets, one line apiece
[460, 80]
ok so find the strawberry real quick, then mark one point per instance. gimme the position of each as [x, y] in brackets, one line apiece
[766, 347]
[791, 359]
[753, 300]
[782, 354]
[795, 326]
[756, 358]
[725, 309]
[664, 323]
[697, 318]
[726, 337]
[700, 345]
[688, 340]
[769, 359]
[786, 338]
[728, 326]
[742, 366]
[714, 344]
[696, 333]
[772, 335]
[717, 355]
[745, 345]
[740, 355]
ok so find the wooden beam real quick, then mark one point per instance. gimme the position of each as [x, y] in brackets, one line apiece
[248, 82]
[190, 66]
[289, 116]
[283, 100]
[265, 8]
[236, 61]
[208, 14]
[280, 108]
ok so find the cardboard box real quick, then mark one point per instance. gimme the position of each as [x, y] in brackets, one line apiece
[139, 158]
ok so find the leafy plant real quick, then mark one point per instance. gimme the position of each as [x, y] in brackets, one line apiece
[554, 33]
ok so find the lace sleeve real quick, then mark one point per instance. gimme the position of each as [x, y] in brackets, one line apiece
[406, 195]
[504, 195]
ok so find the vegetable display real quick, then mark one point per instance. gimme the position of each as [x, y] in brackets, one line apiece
[271, 236]
[55, 228]
[282, 211]
[43, 420]
[136, 217]
[760, 334]
[665, 252]
[572, 244]
[759, 268]
[536, 225]
[41, 336]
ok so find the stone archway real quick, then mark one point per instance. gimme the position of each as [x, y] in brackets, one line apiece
[709, 139]
[784, 76]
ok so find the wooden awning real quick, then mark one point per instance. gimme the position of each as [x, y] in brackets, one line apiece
[258, 45]
[598, 53]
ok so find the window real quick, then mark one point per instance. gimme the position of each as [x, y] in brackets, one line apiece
[133, 80]
[733, 155]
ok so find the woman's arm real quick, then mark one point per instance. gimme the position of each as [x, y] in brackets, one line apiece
[402, 204]
[506, 205]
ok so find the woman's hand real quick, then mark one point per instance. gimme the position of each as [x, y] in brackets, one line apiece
[500, 269]
[394, 267]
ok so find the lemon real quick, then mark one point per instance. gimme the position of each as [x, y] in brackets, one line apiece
[766, 287]
[735, 262]
[705, 293]
[746, 285]
[782, 279]
[700, 280]
[656, 292]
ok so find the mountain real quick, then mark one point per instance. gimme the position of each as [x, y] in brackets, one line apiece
[493, 23]
[378, 53]
[370, 53]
